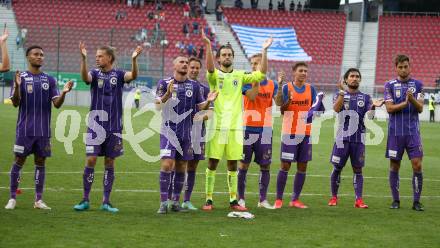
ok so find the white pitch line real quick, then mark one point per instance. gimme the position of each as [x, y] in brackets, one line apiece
[223, 193]
[218, 173]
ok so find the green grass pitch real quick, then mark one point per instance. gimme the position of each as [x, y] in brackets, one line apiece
[136, 195]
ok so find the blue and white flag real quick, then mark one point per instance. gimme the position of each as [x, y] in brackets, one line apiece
[284, 47]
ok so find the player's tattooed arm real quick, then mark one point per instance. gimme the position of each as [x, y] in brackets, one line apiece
[279, 95]
[210, 66]
[266, 45]
[58, 101]
[337, 106]
[132, 75]
[85, 76]
[416, 102]
[16, 96]
[4, 66]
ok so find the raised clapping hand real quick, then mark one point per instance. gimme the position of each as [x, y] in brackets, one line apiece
[378, 102]
[409, 96]
[82, 49]
[281, 77]
[170, 87]
[136, 52]
[4, 36]
[212, 96]
[17, 80]
[68, 86]
[205, 39]
[342, 85]
[267, 43]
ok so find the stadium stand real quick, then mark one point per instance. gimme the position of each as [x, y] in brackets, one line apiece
[93, 23]
[320, 34]
[416, 36]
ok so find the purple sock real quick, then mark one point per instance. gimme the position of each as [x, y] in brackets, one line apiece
[298, 183]
[281, 183]
[88, 178]
[40, 172]
[417, 182]
[178, 182]
[171, 186]
[109, 177]
[190, 180]
[358, 184]
[394, 185]
[335, 180]
[164, 184]
[15, 180]
[241, 183]
[264, 184]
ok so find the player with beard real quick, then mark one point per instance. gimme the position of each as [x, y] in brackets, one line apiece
[177, 97]
[34, 92]
[225, 131]
[104, 129]
[348, 101]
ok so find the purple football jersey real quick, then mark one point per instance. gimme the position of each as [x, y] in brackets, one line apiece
[359, 103]
[106, 92]
[37, 92]
[406, 121]
[178, 115]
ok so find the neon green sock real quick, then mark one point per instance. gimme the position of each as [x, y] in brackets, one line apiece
[209, 185]
[232, 185]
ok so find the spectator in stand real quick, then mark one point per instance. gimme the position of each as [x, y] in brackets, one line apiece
[270, 5]
[159, 5]
[185, 29]
[162, 16]
[219, 13]
[292, 6]
[194, 51]
[201, 52]
[238, 4]
[186, 9]
[195, 25]
[254, 4]
[189, 49]
[204, 7]
[164, 42]
[150, 15]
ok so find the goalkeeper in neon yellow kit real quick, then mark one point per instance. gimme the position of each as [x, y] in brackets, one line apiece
[225, 129]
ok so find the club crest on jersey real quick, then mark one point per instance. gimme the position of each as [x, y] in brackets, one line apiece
[45, 86]
[189, 93]
[100, 83]
[220, 85]
[412, 89]
[398, 93]
[361, 103]
[29, 88]
[113, 80]
[235, 83]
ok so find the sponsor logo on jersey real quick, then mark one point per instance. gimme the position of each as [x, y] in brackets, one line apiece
[30, 88]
